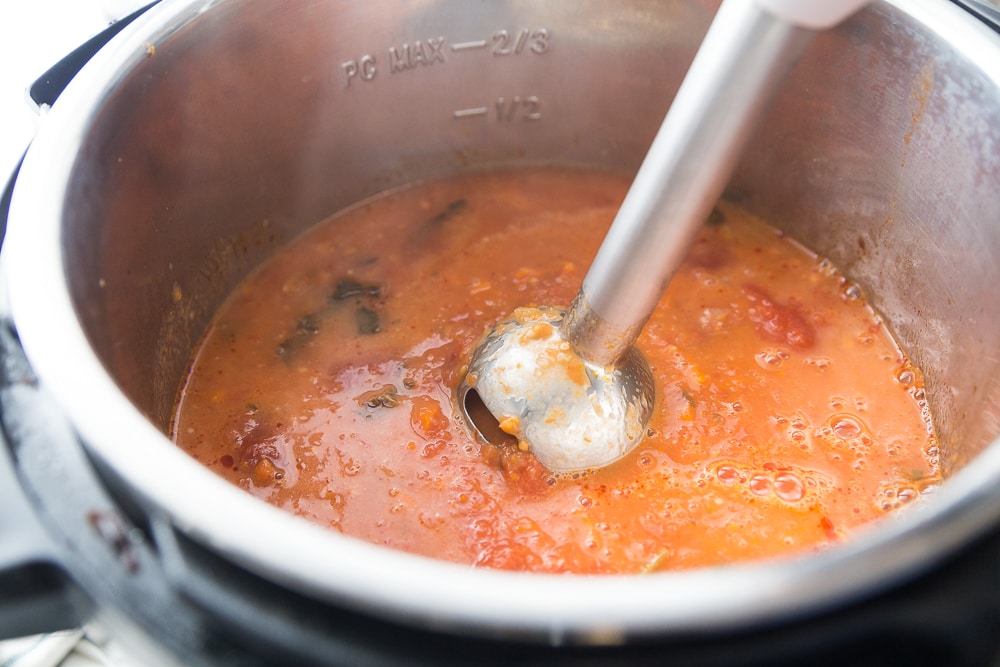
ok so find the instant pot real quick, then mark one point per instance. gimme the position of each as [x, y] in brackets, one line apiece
[209, 132]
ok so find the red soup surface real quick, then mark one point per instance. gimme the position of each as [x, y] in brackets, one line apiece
[786, 416]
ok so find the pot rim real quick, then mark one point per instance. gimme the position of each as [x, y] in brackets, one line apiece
[325, 565]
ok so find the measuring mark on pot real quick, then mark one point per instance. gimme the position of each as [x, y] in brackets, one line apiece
[471, 112]
[507, 109]
[469, 46]
[506, 43]
[422, 53]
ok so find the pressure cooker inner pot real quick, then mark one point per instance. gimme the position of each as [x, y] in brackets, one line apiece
[242, 125]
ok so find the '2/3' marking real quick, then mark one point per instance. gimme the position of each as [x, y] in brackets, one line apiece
[432, 51]
[506, 44]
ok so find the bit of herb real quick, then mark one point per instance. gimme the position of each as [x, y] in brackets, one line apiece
[307, 326]
[716, 217]
[305, 329]
[365, 300]
[349, 288]
[427, 234]
[449, 212]
[367, 318]
[657, 561]
[687, 396]
[383, 397]
[368, 321]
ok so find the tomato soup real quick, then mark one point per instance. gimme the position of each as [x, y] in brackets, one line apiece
[786, 417]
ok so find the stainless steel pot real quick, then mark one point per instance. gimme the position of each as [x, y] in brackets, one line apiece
[211, 131]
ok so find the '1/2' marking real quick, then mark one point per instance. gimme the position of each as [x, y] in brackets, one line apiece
[507, 109]
[471, 112]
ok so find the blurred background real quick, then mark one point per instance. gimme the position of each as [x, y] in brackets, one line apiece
[34, 35]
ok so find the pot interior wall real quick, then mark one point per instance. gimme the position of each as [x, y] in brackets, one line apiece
[246, 124]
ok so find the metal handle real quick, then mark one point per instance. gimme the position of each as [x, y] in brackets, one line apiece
[738, 70]
[47, 88]
[986, 10]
